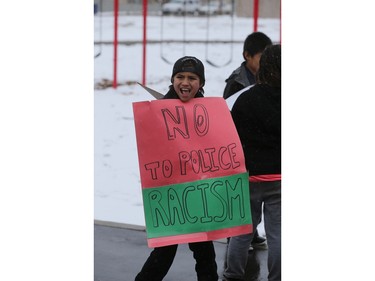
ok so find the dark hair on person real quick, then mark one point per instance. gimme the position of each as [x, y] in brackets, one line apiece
[270, 67]
[255, 43]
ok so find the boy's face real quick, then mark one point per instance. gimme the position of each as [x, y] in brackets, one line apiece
[252, 62]
[186, 85]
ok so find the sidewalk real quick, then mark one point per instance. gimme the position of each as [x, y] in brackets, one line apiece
[119, 254]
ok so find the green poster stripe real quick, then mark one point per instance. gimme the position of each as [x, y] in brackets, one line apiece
[198, 206]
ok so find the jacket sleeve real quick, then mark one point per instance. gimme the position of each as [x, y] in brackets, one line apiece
[231, 87]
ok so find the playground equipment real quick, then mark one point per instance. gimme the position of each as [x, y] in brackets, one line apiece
[162, 39]
[100, 27]
[184, 41]
[207, 43]
[231, 42]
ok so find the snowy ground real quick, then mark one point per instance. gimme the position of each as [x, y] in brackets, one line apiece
[117, 185]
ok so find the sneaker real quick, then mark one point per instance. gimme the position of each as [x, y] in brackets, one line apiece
[259, 243]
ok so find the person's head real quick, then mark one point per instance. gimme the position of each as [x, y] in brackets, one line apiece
[270, 67]
[253, 47]
[188, 77]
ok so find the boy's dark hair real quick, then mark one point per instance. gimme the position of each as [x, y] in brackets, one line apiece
[255, 43]
[270, 66]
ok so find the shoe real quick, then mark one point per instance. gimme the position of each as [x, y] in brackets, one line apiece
[259, 243]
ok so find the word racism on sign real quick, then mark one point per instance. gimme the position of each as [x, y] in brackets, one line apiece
[192, 168]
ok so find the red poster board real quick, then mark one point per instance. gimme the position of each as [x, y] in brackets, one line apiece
[192, 169]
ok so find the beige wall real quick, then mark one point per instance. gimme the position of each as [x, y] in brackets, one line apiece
[267, 8]
[244, 8]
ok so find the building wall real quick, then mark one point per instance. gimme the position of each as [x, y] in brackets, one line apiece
[129, 6]
[243, 8]
[267, 8]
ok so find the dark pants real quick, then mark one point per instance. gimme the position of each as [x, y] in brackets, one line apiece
[161, 259]
[268, 196]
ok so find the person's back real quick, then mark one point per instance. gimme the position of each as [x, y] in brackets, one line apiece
[244, 75]
[257, 117]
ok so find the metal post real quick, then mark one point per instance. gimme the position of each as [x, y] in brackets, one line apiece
[256, 14]
[115, 43]
[144, 41]
[280, 22]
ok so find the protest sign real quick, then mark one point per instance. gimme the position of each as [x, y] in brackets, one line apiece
[192, 169]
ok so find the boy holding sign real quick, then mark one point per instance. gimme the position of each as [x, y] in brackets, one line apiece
[187, 83]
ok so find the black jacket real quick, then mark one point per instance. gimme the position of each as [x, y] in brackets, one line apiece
[257, 117]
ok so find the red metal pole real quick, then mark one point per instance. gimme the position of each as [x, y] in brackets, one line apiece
[280, 22]
[144, 41]
[256, 14]
[115, 43]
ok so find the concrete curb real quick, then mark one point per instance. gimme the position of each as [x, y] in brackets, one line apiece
[120, 225]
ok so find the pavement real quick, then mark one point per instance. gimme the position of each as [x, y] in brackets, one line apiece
[120, 251]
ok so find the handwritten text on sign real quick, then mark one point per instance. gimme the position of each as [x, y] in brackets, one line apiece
[192, 167]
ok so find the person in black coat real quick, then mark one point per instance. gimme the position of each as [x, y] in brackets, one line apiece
[187, 82]
[257, 117]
